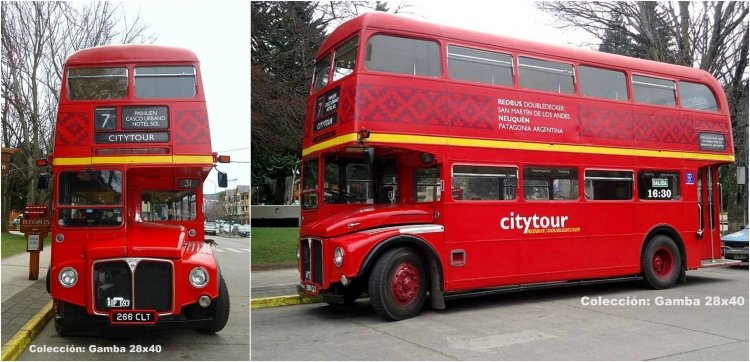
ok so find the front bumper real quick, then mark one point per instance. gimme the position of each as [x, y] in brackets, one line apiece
[192, 317]
[736, 254]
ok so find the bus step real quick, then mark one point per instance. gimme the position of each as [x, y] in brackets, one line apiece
[719, 263]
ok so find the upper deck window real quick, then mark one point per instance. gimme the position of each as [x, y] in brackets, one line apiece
[165, 82]
[345, 59]
[654, 90]
[403, 55]
[97, 83]
[697, 96]
[322, 68]
[602, 83]
[480, 66]
[545, 75]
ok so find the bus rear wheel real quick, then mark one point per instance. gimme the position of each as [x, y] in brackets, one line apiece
[661, 262]
[398, 284]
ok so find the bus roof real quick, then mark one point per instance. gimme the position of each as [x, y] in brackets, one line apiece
[131, 53]
[384, 21]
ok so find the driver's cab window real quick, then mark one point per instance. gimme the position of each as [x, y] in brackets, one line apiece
[428, 184]
[348, 181]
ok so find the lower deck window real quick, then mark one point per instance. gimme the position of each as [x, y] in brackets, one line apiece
[608, 185]
[484, 183]
[427, 181]
[658, 185]
[550, 183]
[168, 206]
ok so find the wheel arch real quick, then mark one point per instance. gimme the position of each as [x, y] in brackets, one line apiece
[669, 231]
[405, 240]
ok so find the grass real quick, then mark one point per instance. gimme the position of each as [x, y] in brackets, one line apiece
[273, 247]
[13, 244]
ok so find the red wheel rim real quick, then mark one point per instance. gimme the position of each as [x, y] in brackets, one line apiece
[662, 262]
[405, 283]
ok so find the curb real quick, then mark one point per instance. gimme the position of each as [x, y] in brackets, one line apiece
[281, 301]
[16, 345]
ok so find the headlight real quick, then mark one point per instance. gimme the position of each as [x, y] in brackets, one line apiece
[198, 277]
[68, 277]
[338, 256]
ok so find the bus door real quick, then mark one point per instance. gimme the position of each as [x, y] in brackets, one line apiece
[709, 229]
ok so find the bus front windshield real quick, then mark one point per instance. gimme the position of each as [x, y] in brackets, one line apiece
[90, 198]
[353, 181]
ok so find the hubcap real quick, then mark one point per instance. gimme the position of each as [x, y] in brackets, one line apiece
[662, 262]
[405, 283]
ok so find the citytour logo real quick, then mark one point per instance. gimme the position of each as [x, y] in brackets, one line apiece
[536, 224]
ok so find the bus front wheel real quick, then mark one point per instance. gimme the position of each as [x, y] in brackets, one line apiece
[398, 284]
[661, 262]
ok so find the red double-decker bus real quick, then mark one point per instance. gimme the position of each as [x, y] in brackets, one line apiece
[132, 149]
[445, 162]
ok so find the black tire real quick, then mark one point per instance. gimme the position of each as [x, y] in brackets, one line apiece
[661, 263]
[62, 327]
[221, 310]
[402, 300]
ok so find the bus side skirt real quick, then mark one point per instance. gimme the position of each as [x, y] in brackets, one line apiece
[538, 286]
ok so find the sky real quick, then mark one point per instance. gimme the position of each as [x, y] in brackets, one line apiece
[219, 33]
[517, 19]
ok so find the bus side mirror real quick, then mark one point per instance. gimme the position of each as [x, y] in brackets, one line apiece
[42, 182]
[222, 178]
[369, 153]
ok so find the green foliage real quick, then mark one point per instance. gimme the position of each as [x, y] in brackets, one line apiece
[273, 248]
[13, 244]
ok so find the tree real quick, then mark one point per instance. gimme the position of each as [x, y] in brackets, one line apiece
[285, 38]
[36, 39]
[710, 35]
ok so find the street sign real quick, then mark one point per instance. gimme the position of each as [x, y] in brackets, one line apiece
[35, 225]
[34, 242]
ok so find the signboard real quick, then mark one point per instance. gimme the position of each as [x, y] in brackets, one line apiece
[105, 118]
[325, 110]
[189, 183]
[35, 220]
[131, 137]
[711, 141]
[33, 242]
[145, 118]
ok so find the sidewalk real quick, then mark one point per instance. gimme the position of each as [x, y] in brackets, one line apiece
[21, 298]
[273, 283]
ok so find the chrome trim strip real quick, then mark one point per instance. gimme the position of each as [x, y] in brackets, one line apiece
[409, 229]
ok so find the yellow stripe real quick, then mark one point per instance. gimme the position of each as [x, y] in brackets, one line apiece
[340, 140]
[123, 160]
[515, 145]
[193, 159]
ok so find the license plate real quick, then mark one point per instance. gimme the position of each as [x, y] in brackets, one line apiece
[311, 288]
[132, 317]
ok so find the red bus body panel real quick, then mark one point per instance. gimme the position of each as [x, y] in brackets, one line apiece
[462, 123]
[145, 166]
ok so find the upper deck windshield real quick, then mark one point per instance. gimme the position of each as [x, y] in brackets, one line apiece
[150, 82]
[97, 83]
[344, 62]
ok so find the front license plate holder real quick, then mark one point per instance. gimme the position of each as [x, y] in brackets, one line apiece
[132, 317]
[310, 288]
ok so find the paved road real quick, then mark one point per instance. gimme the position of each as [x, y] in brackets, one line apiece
[229, 344]
[540, 325]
